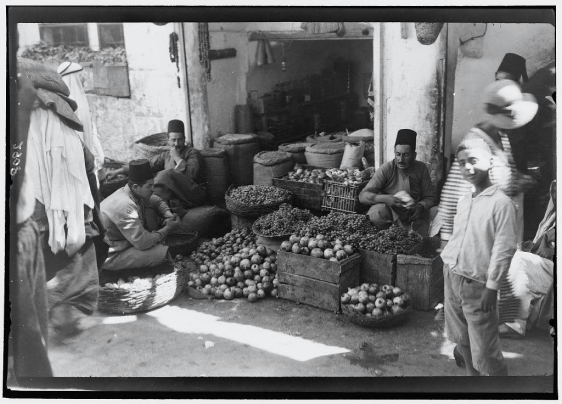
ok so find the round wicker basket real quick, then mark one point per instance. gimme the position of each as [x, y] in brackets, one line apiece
[375, 322]
[252, 211]
[139, 298]
[150, 146]
[182, 243]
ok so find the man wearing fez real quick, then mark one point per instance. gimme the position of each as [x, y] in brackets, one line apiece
[512, 68]
[133, 217]
[180, 159]
[401, 190]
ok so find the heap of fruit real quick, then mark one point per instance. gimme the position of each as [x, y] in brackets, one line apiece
[349, 176]
[233, 266]
[303, 174]
[357, 231]
[259, 194]
[318, 247]
[286, 220]
[372, 301]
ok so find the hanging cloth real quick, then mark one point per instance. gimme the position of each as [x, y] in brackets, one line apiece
[78, 94]
[56, 164]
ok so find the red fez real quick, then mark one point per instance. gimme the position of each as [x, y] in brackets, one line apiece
[175, 125]
[406, 137]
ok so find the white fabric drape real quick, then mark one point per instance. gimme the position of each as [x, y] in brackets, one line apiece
[78, 94]
[56, 165]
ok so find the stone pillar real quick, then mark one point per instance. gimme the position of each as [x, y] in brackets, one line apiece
[197, 88]
[411, 92]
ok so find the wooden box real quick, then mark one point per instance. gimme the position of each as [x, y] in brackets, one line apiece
[377, 268]
[316, 281]
[305, 195]
[422, 279]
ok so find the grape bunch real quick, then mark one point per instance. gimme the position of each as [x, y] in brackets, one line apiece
[259, 194]
[286, 220]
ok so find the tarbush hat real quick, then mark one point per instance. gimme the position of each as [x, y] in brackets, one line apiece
[514, 65]
[407, 137]
[140, 171]
[175, 125]
[507, 107]
[69, 67]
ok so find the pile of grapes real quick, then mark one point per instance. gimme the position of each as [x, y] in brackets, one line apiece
[357, 231]
[259, 194]
[284, 221]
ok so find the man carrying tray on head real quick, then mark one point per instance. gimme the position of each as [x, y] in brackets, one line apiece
[401, 190]
[133, 217]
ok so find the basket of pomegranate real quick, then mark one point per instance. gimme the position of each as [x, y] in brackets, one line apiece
[372, 306]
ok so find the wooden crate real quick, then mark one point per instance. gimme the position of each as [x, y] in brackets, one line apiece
[240, 222]
[305, 195]
[343, 198]
[422, 279]
[377, 268]
[316, 281]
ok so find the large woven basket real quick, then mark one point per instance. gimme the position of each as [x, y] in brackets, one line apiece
[375, 322]
[142, 298]
[251, 211]
[182, 243]
[150, 146]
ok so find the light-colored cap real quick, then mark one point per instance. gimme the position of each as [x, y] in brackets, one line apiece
[507, 107]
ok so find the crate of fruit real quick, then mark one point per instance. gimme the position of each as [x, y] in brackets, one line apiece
[316, 276]
[306, 183]
[376, 306]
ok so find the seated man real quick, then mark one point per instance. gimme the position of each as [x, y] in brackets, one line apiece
[181, 158]
[131, 216]
[410, 180]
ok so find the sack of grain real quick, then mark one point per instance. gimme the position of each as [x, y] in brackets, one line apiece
[324, 154]
[240, 151]
[270, 164]
[296, 150]
[330, 137]
[217, 174]
[352, 155]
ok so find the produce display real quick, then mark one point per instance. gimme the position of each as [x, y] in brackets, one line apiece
[259, 194]
[318, 247]
[349, 176]
[318, 175]
[233, 266]
[303, 174]
[357, 231]
[284, 221]
[374, 301]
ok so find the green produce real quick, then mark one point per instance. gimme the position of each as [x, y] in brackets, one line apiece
[259, 194]
[286, 220]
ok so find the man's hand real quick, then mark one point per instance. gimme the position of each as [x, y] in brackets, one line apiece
[489, 299]
[175, 154]
[392, 201]
[169, 219]
[173, 223]
[417, 212]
